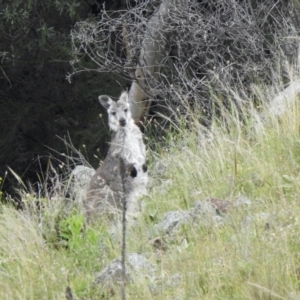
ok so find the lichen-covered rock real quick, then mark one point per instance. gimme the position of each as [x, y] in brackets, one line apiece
[242, 200]
[172, 220]
[203, 213]
[137, 267]
[80, 178]
[141, 266]
[111, 275]
[263, 220]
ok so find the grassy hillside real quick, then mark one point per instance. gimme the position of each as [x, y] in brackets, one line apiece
[254, 253]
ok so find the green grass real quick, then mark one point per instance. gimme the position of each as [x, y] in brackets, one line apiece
[254, 255]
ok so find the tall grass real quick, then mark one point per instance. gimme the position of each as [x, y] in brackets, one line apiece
[253, 254]
[28, 270]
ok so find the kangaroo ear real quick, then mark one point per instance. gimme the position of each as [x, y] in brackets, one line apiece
[124, 97]
[105, 101]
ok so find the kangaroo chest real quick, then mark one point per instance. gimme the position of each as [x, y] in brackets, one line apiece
[129, 145]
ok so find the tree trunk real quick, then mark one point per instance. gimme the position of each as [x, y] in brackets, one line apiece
[150, 59]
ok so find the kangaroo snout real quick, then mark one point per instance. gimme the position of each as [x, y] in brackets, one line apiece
[122, 122]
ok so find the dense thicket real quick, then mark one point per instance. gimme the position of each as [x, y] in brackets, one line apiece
[209, 47]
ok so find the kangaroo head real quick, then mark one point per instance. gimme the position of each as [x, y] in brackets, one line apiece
[119, 114]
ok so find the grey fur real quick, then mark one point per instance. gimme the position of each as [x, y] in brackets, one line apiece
[105, 190]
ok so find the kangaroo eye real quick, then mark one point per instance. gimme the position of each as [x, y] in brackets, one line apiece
[126, 110]
[113, 113]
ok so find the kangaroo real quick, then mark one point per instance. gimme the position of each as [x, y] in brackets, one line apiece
[106, 187]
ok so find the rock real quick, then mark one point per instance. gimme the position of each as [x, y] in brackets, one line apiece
[83, 174]
[141, 266]
[163, 283]
[172, 220]
[203, 208]
[204, 213]
[242, 200]
[137, 267]
[110, 277]
[265, 220]
[175, 280]
[80, 178]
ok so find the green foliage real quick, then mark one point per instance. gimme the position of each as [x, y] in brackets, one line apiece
[68, 6]
[71, 230]
[75, 235]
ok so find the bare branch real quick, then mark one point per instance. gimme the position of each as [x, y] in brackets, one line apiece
[195, 47]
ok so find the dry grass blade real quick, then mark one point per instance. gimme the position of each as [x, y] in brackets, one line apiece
[18, 178]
